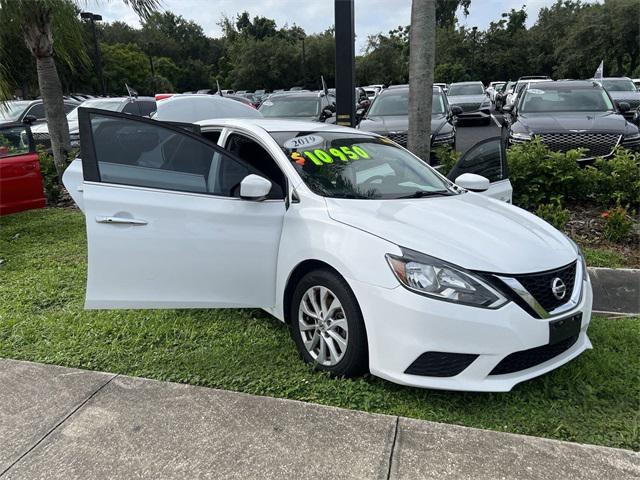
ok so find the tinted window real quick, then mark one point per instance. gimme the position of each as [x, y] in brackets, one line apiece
[484, 159]
[619, 85]
[136, 153]
[69, 107]
[37, 111]
[146, 107]
[13, 141]
[293, 106]
[132, 108]
[472, 89]
[549, 98]
[397, 103]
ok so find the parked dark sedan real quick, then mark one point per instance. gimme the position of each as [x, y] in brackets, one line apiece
[21, 110]
[472, 99]
[389, 116]
[623, 90]
[311, 106]
[567, 115]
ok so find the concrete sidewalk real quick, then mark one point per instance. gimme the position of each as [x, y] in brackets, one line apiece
[61, 423]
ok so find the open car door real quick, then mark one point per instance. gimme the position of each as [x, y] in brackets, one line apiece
[487, 158]
[166, 226]
[20, 179]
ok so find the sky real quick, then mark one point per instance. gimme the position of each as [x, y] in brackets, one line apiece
[372, 16]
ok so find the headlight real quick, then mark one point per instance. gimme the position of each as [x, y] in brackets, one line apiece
[581, 260]
[440, 280]
[444, 137]
[486, 103]
[519, 137]
[634, 137]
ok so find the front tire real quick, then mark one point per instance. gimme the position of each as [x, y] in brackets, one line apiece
[327, 325]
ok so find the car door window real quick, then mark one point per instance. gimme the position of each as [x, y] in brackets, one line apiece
[145, 153]
[37, 111]
[485, 158]
[14, 140]
[132, 108]
[255, 155]
[69, 106]
[146, 107]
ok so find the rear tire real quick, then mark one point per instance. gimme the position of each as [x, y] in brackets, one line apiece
[327, 325]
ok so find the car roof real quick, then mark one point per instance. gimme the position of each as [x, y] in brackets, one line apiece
[276, 125]
[476, 82]
[568, 83]
[616, 78]
[297, 94]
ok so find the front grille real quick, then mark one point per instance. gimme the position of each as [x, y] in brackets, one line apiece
[42, 139]
[595, 144]
[534, 356]
[398, 137]
[468, 107]
[632, 103]
[440, 364]
[539, 285]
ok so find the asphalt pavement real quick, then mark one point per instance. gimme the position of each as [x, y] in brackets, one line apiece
[63, 423]
[469, 133]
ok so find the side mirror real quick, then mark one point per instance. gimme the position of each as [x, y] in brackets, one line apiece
[456, 110]
[473, 182]
[360, 112]
[624, 107]
[29, 119]
[507, 108]
[254, 187]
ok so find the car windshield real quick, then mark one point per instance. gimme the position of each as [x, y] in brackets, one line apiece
[349, 165]
[290, 106]
[12, 110]
[619, 85]
[468, 89]
[565, 99]
[397, 103]
[103, 104]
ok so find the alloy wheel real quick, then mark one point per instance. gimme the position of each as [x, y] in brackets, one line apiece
[323, 325]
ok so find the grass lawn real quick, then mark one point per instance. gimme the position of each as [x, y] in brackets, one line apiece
[594, 399]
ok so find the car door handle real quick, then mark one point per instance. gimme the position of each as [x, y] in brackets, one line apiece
[121, 220]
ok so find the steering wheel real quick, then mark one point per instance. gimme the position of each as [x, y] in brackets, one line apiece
[374, 178]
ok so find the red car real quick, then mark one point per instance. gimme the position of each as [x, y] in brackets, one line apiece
[20, 179]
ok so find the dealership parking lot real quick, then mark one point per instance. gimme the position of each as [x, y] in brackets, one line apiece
[470, 133]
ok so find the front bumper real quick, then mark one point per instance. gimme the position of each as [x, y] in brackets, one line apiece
[480, 114]
[402, 325]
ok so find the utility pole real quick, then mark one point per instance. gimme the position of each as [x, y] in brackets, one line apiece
[474, 33]
[93, 18]
[345, 63]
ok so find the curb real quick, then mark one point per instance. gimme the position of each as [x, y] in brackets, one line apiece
[615, 290]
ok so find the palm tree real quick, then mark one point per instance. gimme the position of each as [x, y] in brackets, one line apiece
[422, 51]
[48, 27]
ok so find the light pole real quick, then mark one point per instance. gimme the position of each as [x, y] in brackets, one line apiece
[345, 63]
[93, 18]
[474, 31]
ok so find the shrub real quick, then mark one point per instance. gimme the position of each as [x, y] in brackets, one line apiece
[447, 158]
[554, 213]
[539, 176]
[618, 224]
[52, 184]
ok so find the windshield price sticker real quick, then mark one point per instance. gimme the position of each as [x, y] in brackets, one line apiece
[321, 156]
[302, 142]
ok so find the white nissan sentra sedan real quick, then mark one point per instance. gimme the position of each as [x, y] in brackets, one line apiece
[376, 261]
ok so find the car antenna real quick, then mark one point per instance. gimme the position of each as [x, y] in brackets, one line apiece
[219, 92]
[132, 93]
[324, 86]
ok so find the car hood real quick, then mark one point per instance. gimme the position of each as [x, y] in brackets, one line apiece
[622, 96]
[397, 123]
[566, 122]
[456, 99]
[44, 128]
[469, 230]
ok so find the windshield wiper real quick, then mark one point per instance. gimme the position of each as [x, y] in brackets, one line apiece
[428, 193]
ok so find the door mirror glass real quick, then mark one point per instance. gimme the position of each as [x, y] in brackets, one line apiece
[624, 107]
[473, 182]
[327, 112]
[254, 187]
[456, 110]
[507, 108]
[486, 158]
[29, 119]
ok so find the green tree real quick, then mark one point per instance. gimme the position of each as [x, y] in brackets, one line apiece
[41, 23]
[125, 64]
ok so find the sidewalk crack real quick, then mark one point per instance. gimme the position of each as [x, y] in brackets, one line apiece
[55, 427]
[393, 447]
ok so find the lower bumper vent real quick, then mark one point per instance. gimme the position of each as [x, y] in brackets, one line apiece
[534, 356]
[440, 364]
